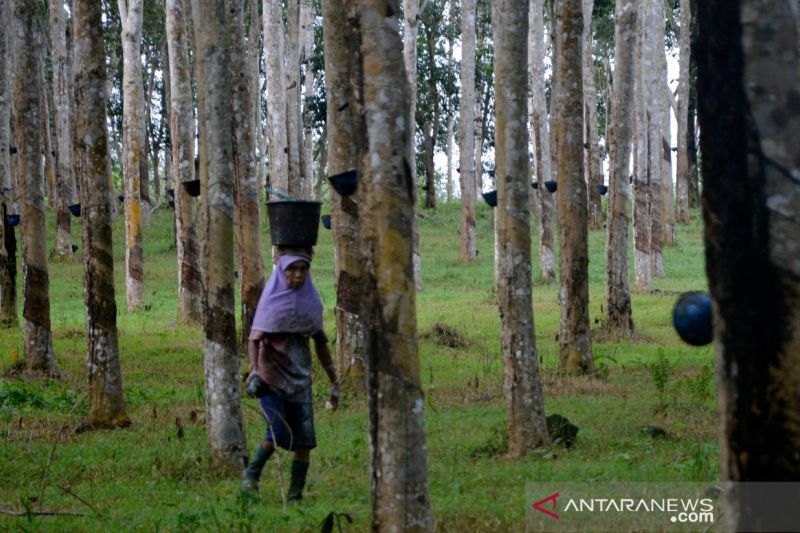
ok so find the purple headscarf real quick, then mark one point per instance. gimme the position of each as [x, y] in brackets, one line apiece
[285, 310]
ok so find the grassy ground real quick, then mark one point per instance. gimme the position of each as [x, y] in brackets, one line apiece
[154, 476]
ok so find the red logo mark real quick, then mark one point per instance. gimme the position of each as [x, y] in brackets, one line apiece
[538, 505]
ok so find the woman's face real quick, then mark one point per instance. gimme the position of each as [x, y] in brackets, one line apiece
[296, 274]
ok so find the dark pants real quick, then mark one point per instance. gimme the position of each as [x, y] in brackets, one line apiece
[290, 424]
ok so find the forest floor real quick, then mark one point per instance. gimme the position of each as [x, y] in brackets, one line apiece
[154, 476]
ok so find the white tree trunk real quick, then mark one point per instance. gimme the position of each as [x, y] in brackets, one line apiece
[294, 131]
[411, 9]
[276, 97]
[593, 168]
[654, 28]
[682, 171]
[641, 168]
[467, 132]
[62, 77]
[541, 139]
[306, 52]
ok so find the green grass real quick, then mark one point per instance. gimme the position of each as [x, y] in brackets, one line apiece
[148, 478]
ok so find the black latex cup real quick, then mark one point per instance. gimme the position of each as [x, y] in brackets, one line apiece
[345, 183]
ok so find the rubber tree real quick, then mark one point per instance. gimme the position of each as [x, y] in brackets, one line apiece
[541, 140]
[106, 398]
[8, 245]
[224, 421]
[748, 59]
[619, 313]
[62, 93]
[575, 336]
[245, 180]
[398, 465]
[684, 82]
[38, 350]
[343, 108]
[278, 136]
[527, 427]
[134, 140]
[466, 143]
[182, 125]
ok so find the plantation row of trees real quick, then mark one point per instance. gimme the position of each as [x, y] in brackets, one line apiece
[376, 85]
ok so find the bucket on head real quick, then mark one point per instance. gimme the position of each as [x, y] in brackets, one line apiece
[293, 223]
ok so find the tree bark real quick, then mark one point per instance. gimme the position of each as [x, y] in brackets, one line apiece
[106, 398]
[527, 427]
[248, 229]
[654, 45]
[575, 337]
[276, 97]
[466, 142]
[224, 423]
[641, 167]
[134, 138]
[62, 77]
[190, 285]
[682, 171]
[8, 245]
[691, 133]
[619, 314]
[663, 102]
[345, 136]
[594, 170]
[748, 73]
[541, 141]
[397, 436]
[39, 354]
[307, 15]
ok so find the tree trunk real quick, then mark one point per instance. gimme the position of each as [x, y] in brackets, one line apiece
[276, 97]
[106, 399]
[691, 133]
[575, 338]
[294, 130]
[541, 141]
[682, 171]
[748, 73]
[466, 141]
[224, 424]
[248, 229]
[527, 427]
[641, 168]
[451, 122]
[8, 246]
[307, 16]
[345, 136]
[182, 125]
[593, 168]
[134, 138]
[46, 96]
[619, 315]
[62, 77]
[663, 103]
[39, 355]
[653, 47]
[398, 469]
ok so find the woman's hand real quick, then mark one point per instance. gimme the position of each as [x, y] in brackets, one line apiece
[333, 400]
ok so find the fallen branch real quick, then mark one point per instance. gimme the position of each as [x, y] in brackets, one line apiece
[11, 512]
[67, 490]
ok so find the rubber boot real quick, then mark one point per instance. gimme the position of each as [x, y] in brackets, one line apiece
[299, 471]
[253, 471]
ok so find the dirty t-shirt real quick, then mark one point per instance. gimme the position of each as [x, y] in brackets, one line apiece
[284, 363]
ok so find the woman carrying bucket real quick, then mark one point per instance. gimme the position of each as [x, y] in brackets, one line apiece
[288, 313]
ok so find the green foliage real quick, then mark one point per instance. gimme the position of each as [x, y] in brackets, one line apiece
[661, 370]
[154, 477]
